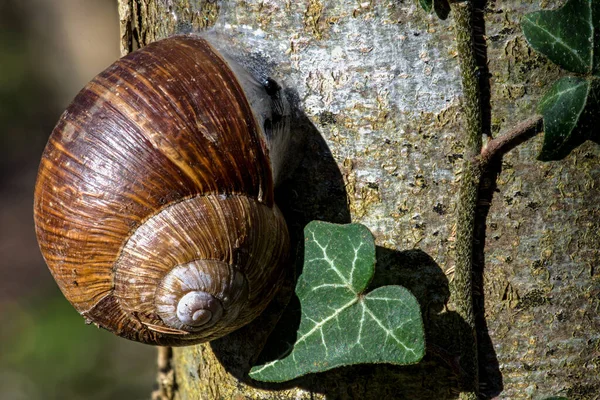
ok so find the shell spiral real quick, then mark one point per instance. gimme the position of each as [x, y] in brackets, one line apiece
[154, 201]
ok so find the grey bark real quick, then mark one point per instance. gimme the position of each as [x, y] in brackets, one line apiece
[379, 91]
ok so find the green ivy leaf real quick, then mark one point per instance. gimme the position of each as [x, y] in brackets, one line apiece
[426, 4]
[340, 324]
[568, 36]
[442, 8]
[570, 111]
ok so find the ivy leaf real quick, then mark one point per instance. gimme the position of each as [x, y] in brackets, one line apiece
[570, 111]
[442, 8]
[426, 4]
[568, 36]
[340, 324]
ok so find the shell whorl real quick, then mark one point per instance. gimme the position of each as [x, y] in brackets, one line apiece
[157, 173]
[197, 295]
[219, 245]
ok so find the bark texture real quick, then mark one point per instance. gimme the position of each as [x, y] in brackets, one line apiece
[379, 89]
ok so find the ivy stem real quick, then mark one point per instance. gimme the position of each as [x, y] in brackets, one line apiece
[476, 162]
[511, 139]
[462, 287]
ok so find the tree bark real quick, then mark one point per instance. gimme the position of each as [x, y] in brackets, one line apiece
[379, 91]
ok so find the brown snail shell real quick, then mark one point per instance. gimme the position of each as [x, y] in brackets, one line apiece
[154, 201]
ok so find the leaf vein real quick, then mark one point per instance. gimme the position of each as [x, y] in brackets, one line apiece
[324, 321]
[389, 333]
[562, 92]
[332, 264]
[328, 285]
[356, 250]
[559, 41]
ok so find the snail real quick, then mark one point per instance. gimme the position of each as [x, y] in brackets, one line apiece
[154, 205]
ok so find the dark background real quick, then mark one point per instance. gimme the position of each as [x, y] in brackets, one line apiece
[48, 50]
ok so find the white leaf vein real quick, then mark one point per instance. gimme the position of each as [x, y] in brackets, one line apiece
[388, 332]
[332, 264]
[560, 41]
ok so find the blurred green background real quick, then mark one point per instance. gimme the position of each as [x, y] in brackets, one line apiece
[48, 50]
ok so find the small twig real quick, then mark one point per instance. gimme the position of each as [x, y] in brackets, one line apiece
[511, 139]
[164, 358]
[166, 376]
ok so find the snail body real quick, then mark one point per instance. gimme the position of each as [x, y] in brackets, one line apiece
[154, 205]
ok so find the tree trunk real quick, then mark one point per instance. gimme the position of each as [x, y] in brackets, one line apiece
[379, 88]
